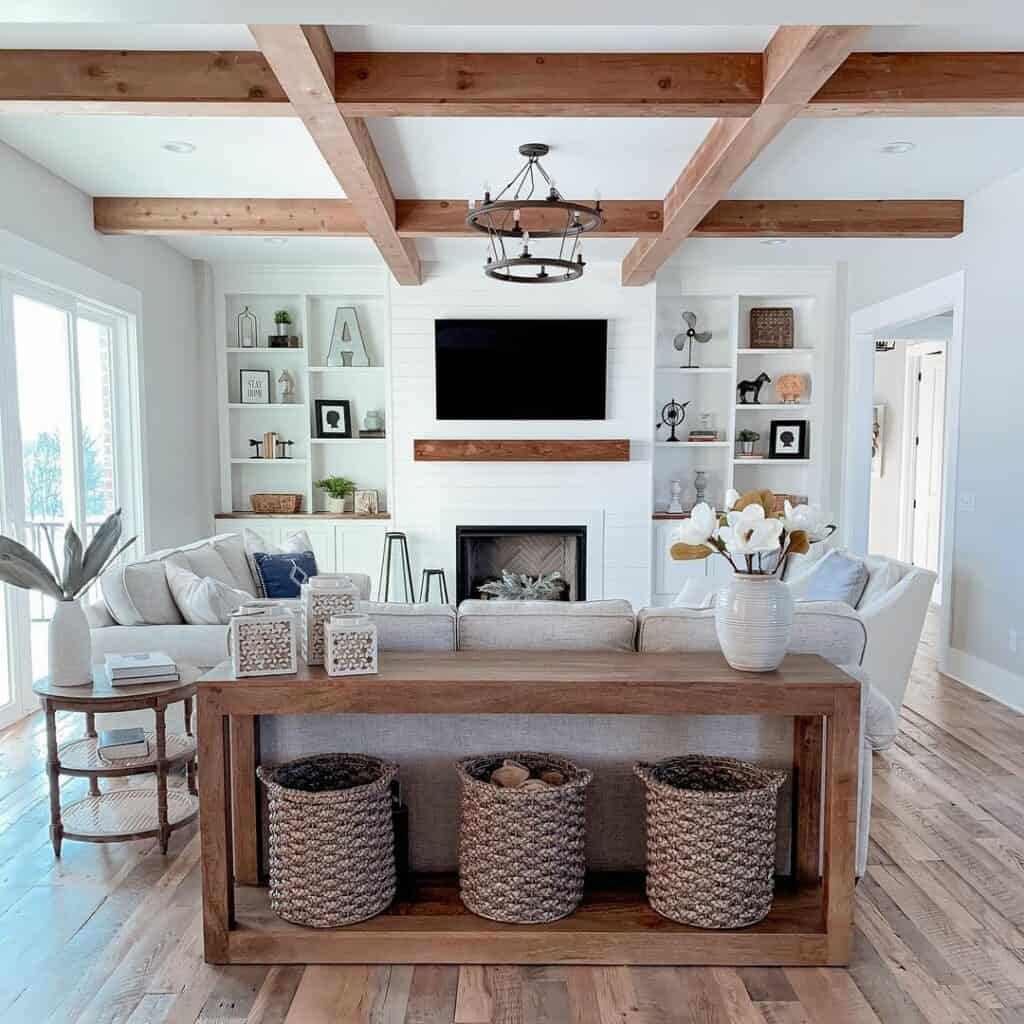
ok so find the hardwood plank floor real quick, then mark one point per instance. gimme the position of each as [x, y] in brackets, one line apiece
[112, 933]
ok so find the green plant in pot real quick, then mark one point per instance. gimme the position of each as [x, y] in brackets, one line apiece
[283, 322]
[747, 440]
[337, 489]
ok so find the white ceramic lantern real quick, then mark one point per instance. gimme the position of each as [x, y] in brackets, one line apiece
[262, 640]
[323, 597]
[351, 646]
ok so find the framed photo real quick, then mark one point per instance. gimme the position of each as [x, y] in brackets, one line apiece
[877, 440]
[367, 503]
[333, 418]
[787, 439]
[254, 387]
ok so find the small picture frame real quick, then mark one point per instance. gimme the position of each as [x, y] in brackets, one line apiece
[254, 387]
[787, 439]
[333, 418]
[367, 503]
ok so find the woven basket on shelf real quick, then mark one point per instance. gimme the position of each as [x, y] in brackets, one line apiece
[521, 853]
[771, 327]
[710, 839]
[332, 841]
[276, 504]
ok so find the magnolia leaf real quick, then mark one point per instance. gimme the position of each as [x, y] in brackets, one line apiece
[98, 552]
[799, 543]
[765, 498]
[689, 552]
[72, 561]
[53, 554]
[28, 568]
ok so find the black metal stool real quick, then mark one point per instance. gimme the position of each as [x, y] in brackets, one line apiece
[425, 582]
[384, 583]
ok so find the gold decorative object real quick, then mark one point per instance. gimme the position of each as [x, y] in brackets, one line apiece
[350, 646]
[262, 640]
[790, 388]
[323, 597]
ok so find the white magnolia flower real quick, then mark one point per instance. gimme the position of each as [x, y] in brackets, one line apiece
[750, 533]
[807, 518]
[700, 526]
[731, 497]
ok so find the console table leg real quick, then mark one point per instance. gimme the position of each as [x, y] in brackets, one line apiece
[806, 841]
[244, 759]
[840, 859]
[53, 771]
[161, 777]
[215, 830]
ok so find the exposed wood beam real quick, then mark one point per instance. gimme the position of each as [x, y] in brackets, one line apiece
[798, 60]
[445, 218]
[302, 58]
[919, 84]
[549, 84]
[139, 82]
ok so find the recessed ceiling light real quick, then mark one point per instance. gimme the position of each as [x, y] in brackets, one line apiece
[274, 240]
[179, 147]
[773, 241]
[896, 148]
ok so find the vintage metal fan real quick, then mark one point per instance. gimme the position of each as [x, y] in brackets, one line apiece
[689, 336]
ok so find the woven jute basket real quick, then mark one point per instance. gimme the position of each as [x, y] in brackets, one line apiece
[332, 840]
[521, 854]
[710, 839]
[275, 504]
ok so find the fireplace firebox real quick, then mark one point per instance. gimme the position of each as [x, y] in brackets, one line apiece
[483, 552]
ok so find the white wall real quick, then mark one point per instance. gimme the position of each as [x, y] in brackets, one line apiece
[890, 392]
[431, 497]
[176, 399]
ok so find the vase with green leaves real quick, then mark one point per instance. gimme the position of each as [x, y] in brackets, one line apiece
[70, 646]
[337, 489]
[283, 322]
[747, 440]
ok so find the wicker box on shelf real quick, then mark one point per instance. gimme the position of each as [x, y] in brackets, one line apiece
[771, 327]
[322, 598]
[711, 824]
[276, 504]
[521, 852]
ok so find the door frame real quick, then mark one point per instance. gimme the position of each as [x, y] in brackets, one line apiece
[940, 296]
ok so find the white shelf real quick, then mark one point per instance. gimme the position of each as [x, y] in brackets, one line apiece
[352, 371]
[266, 405]
[265, 348]
[268, 462]
[775, 351]
[693, 444]
[790, 407]
[694, 369]
[771, 462]
[347, 440]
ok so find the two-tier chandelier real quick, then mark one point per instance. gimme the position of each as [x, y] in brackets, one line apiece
[514, 218]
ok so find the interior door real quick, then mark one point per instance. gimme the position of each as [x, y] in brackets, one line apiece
[928, 462]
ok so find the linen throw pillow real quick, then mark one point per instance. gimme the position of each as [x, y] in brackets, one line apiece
[297, 543]
[838, 577]
[283, 575]
[202, 600]
[696, 594]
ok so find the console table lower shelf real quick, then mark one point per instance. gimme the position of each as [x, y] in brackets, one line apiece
[613, 925]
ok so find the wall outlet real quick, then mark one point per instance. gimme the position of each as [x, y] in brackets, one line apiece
[966, 502]
[1013, 641]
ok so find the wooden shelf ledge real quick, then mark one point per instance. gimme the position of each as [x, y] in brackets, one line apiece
[448, 450]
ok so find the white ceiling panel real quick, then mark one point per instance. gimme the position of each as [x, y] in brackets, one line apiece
[306, 252]
[114, 155]
[841, 158]
[1006, 36]
[452, 158]
[95, 36]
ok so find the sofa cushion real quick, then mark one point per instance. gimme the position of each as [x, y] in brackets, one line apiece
[546, 625]
[231, 548]
[137, 594]
[837, 577]
[202, 646]
[202, 600]
[412, 627]
[883, 575]
[254, 543]
[283, 575]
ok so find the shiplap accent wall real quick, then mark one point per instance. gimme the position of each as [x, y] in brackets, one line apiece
[430, 497]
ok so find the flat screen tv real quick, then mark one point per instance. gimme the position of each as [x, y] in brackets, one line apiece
[520, 369]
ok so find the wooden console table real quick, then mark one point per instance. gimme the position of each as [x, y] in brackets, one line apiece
[811, 922]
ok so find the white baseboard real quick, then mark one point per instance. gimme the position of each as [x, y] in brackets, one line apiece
[992, 680]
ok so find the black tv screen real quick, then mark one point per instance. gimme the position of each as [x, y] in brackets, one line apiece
[520, 369]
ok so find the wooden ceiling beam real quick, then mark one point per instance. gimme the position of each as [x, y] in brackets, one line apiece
[798, 60]
[302, 59]
[548, 85]
[445, 218]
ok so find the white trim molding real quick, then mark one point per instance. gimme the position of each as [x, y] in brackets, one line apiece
[982, 676]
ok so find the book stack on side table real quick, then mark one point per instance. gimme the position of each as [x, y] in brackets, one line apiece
[122, 745]
[141, 669]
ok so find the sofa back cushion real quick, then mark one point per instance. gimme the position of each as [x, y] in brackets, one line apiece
[546, 626]
[833, 630]
[883, 575]
[202, 600]
[412, 627]
[837, 577]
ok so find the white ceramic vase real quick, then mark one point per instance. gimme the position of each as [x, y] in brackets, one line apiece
[70, 646]
[335, 505]
[754, 620]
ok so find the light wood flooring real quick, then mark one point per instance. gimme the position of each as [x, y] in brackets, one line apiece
[112, 933]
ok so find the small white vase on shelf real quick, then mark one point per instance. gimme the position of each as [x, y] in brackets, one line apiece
[70, 646]
[754, 620]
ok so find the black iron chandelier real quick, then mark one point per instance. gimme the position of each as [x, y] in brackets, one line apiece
[507, 218]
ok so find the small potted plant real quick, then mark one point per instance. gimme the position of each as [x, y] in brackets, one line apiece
[337, 489]
[283, 322]
[747, 440]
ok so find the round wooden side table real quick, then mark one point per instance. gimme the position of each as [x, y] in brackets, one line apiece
[120, 814]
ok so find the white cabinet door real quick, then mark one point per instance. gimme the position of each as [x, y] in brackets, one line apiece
[321, 536]
[359, 549]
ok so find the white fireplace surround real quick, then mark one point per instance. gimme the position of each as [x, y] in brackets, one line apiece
[591, 518]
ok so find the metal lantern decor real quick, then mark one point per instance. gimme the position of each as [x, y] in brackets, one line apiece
[262, 639]
[248, 328]
[515, 217]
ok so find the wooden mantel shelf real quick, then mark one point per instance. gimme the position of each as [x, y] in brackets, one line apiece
[532, 450]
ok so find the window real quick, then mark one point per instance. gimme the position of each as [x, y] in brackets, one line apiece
[68, 419]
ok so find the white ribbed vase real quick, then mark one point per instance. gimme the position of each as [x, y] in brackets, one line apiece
[753, 620]
[70, 646]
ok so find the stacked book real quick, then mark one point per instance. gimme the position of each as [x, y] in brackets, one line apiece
[141, 669]
[122, 745]
[704, 435]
